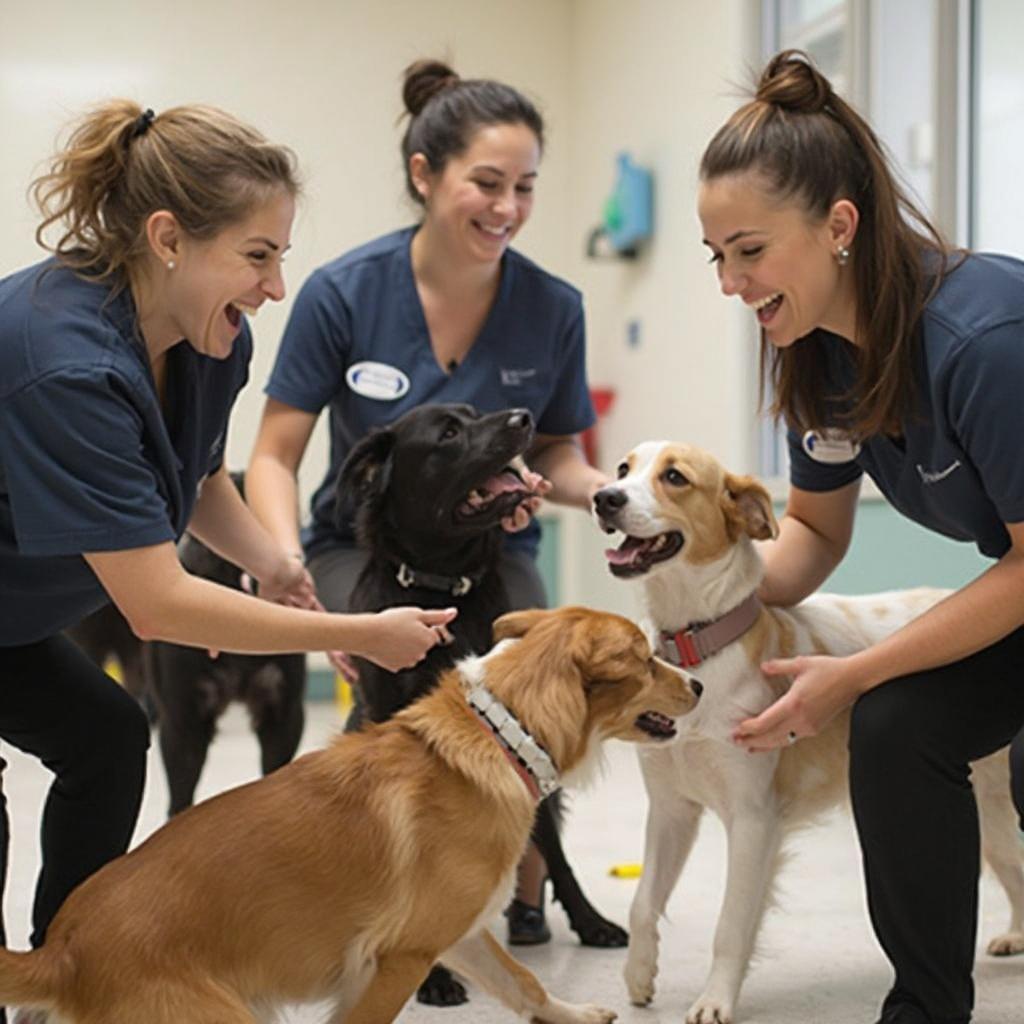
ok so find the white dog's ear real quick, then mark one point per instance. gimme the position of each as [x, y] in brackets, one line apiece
[748, 508]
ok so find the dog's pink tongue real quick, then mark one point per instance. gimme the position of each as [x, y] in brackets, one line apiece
[626, 553]
[507, 481]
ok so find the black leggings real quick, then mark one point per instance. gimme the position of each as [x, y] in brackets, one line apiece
[911, 741]
[56, 705]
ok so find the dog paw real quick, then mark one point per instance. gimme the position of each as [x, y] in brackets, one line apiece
[601, 933]
[639, 974]
[441, 989]
[1009, 944]
[569, 1013]
[708, 1010]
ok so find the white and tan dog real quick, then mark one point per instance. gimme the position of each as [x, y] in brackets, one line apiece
[689, 529]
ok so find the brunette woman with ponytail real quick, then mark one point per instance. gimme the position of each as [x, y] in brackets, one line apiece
[889, 353]
[120, 359]
[445, 311]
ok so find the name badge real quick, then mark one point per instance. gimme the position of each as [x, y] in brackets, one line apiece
[830, 446]
[377, 380]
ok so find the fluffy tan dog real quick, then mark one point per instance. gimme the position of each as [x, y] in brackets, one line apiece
[346, 874]
[689, 529]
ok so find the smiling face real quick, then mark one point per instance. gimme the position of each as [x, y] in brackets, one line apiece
[778, 259]
[481, 198]
[215, 281]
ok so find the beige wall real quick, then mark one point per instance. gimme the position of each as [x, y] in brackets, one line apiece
[653, 76]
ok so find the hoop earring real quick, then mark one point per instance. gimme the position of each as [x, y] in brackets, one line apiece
[842, 256]
[170, 264]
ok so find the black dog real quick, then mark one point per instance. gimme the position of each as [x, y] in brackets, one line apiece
[191, 690]
[428, 495]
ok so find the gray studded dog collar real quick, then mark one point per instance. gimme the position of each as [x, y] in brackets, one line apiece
[518, 743]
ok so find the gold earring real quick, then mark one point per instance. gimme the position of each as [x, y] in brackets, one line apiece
[842, 255]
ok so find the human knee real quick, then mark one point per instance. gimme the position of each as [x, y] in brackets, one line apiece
[1017, 775]
[881, 725]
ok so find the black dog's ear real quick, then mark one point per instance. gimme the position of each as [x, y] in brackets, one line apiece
[365, 474]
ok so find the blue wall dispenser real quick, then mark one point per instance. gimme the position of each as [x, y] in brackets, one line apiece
[627, 218]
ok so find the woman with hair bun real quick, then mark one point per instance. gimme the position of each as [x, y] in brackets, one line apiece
[120, 359]
[891, 354]
[447, 312]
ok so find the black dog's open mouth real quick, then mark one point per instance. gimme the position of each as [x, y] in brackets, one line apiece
[635, 555]
[657, 726]
[495, 498]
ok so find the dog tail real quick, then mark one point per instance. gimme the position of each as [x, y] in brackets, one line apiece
[28, 979]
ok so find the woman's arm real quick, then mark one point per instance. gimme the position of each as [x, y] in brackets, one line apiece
[161, 601]
[573, 480]
[271, 481]
[226, 525]
[814, 535]
[972, 618]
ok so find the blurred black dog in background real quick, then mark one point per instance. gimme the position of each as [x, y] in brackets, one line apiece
[190, 690]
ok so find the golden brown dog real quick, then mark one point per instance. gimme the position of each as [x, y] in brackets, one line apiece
[346, 874]
[689, 529]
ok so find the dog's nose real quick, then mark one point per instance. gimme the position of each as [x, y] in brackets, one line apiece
[697, 686]
[519, 418]
[609, 500]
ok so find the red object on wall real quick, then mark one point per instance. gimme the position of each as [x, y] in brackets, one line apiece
[602, 399]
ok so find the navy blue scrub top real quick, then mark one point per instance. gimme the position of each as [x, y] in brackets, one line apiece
[357, 341]
[87, 460]
[958, 469]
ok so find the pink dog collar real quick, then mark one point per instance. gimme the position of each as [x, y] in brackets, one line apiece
[698, 641]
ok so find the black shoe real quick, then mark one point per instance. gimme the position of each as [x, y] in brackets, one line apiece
[526, 924]
[902, 1013]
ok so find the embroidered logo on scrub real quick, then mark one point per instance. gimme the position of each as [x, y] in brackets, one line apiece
[933, 477]
[832, 446]
[377, 380]
[516, 378]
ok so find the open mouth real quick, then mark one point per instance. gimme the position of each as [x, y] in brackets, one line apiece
[635, 555]
[656, 725]
[234, 311]
[765, 309]
[495, 498]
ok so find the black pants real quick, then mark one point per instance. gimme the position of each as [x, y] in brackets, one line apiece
[911, 741]
[56, 705]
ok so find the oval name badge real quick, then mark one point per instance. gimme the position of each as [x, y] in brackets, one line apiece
[377, 380]
[832, 446]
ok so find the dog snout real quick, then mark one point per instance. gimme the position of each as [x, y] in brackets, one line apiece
[520, 419]
[609, 500]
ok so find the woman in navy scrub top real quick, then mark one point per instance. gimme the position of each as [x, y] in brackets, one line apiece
[894, 355]
[444, 311]
[120, 359]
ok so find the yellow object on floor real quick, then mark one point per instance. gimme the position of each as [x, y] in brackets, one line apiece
[626, 870]
[342, 694]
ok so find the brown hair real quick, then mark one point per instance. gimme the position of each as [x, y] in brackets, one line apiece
[445, 112]
[810, 146]
[121, 163]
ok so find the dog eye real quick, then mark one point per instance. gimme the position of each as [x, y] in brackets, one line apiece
[450, 431]
[622, 470]
[674, 477]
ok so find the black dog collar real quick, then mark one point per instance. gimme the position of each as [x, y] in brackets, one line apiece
[454, 585]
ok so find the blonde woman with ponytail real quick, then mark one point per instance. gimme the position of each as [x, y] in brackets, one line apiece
[120, 359]
[894, 355]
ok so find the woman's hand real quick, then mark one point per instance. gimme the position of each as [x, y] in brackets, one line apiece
[822, 687]
[527, 508]
[291, 585]
[400, 637]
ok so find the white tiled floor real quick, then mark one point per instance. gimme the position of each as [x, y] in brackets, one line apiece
[818, 962]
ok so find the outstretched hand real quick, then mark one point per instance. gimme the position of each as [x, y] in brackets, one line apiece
[822, 687]
[527, 508]
[403, 636]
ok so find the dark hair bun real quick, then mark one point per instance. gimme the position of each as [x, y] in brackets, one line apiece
[792, 82]
[423, 81]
